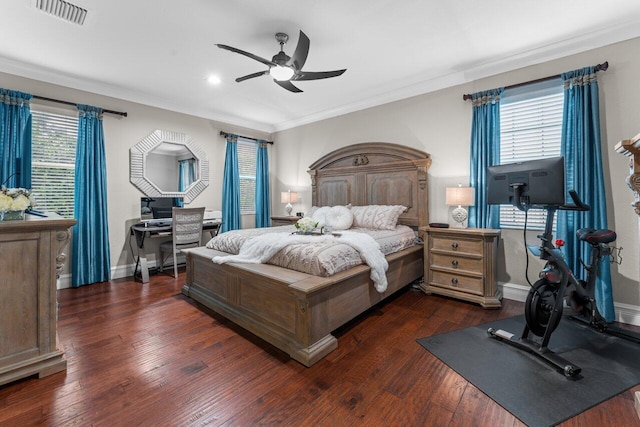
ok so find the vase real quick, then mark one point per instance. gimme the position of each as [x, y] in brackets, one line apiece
[11, 215]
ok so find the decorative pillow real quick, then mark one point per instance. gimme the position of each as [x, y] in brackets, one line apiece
[319, 215]
[338, 218]
[311, 211]
[377, 217]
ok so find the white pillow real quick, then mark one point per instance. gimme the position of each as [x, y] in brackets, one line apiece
[338, 218]
[377, 217]
[311, 211]
[319, 215]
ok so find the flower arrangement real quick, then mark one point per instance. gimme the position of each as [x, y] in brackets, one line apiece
[306, 225]
[15, 199]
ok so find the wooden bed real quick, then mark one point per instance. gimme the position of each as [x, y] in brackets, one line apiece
[294, 311]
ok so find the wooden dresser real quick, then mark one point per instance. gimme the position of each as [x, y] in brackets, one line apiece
[461, 263]
[284, 220]
[31, 259]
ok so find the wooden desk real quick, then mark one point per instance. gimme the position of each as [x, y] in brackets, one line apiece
[143, 230]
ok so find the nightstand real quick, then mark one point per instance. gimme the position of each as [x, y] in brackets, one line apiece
[461, 263]
[284, 220]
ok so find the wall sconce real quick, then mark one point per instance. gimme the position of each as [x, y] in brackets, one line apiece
[460, 196]
[288, 197]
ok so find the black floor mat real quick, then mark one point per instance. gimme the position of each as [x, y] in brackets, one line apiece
[529, 388]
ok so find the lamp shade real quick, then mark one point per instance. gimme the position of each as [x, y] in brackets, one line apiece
[288, 197]
[460, 196]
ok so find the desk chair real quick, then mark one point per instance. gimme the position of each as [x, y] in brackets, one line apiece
[186, 227]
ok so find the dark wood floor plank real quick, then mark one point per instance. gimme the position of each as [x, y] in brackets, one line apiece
[146, 355]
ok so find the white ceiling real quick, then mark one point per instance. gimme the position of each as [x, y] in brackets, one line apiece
[160, 52]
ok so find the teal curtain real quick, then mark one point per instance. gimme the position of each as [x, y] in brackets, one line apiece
[231, 187]
[581, 148]
[263, 197]
[186, 177]
[485, 152]
[15, 139]
[91, 260]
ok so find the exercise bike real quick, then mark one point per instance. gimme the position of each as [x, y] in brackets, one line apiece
[557, 285]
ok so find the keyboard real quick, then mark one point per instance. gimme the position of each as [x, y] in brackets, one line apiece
[160, 222]
[210, 221]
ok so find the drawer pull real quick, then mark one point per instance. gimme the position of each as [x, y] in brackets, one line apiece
[454, 245]
[454, 281]
[454, 263]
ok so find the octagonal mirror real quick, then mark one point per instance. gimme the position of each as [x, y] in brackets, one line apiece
[169, 164]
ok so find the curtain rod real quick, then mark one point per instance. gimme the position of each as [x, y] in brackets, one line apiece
[225, 134]
[599, 67]
[119, 113]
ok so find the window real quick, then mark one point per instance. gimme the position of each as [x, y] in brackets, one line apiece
[530, 128]
[54, 139]
[247, 159]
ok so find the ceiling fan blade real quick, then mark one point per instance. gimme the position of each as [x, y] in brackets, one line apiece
[300, 55]
[287, 85]
[316, 75]
[250, 76]
[250, 55]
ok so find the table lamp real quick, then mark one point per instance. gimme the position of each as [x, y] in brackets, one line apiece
[288, 197]
[460, 196]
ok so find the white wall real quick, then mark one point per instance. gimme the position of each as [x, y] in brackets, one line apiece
[440, 124]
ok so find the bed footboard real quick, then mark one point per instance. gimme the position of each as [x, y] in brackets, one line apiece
[293, 311]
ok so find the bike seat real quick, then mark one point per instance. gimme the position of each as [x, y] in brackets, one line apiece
[592, 236]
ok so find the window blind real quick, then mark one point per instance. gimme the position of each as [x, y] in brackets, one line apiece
[247, 159]
[530, 128]
[54, 139]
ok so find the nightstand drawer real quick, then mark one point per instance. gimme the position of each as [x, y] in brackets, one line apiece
[458, 282]
[284, 220]
[456, 262]
[462, 245]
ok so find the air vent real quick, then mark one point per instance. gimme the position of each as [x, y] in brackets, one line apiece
[63, 10]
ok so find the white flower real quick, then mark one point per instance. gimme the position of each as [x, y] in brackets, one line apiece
[5, 202]
[20, 203]
[306, 224]
[15, 199]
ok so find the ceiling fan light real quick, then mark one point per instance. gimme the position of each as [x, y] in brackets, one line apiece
[281, 73]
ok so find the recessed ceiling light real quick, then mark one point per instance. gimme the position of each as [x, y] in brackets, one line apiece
[214, 80]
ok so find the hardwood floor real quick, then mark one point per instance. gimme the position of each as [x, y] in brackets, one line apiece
[146, 355]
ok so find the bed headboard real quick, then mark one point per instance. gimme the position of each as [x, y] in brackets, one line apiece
[374, 173]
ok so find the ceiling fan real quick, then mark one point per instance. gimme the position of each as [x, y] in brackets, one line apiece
[284, 68]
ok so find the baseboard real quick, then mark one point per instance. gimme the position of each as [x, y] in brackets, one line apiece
[625, 313]
[119, 272]
[64, 281]
[514, 292]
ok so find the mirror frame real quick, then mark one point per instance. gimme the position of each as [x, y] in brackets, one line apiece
[138, 163]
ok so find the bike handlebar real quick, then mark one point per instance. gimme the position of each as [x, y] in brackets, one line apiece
[577, 204]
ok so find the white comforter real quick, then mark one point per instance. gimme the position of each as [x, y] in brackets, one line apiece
[261, 248]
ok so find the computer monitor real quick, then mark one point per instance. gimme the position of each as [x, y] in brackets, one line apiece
[541, 183]
[158, 207]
